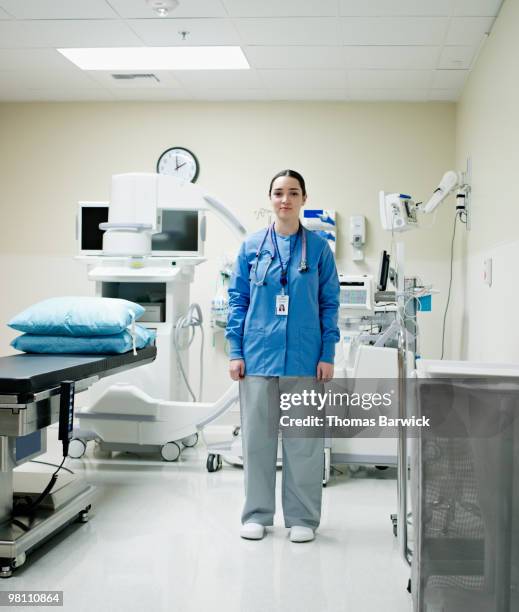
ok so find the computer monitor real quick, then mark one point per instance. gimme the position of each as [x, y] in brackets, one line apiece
[182, 231]
[383, 271]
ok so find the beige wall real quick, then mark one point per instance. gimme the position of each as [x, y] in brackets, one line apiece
[488, 131]
[52, 155]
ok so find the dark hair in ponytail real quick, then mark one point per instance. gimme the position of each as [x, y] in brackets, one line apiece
[293, 174]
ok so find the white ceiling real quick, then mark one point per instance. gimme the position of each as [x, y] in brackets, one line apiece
[416, 50]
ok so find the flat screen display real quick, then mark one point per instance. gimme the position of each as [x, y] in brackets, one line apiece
[91, 235]
[179, 232]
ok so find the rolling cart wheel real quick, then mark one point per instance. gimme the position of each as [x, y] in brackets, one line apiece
[190, 441]
[395, 530]
[214, 463]
[100, 452]
[170, 451]
[77, 448]
[6, 570]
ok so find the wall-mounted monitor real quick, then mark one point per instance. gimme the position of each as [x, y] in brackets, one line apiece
[182, 231]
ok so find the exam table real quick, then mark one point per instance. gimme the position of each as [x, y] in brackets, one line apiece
[30, 389]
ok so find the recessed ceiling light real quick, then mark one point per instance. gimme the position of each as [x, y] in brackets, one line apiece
[157, 58]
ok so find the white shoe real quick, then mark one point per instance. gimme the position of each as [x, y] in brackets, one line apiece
[252, 531]
[301, 534]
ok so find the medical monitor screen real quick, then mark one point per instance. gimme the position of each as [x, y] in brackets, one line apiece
[91, 235]
[179, 232]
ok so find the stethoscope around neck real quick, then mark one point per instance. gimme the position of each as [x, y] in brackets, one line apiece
[303, 266]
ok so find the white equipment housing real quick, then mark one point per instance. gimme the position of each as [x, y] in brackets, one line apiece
[148, 409]
[356, 293]
[397, 212]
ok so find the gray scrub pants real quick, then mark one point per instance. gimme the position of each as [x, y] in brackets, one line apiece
[303, 458]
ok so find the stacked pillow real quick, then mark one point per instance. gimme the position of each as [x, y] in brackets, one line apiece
[87, 325]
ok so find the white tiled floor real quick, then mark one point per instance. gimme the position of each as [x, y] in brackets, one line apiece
[165, 537]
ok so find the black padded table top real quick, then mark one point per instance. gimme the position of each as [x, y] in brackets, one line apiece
[30, 373]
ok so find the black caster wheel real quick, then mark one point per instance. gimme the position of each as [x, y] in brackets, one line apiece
[214, 463]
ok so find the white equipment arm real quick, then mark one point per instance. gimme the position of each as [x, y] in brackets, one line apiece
[450, 181]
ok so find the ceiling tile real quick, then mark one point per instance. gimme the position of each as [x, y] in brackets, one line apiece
[456, 57]
[230, 94]
[304, 79]
[66, 33]
[219, 79]
[72, 95]
[392, 57]
[281, 8]
[449, 79]
[58, 9]
[138, 9]
[35, 59]
[150, 95]
[468, 30]
[165, 80]
[308, 94]
[38, 79]
[166, 32]
[385, 8]
[394, 95]
[393, 31]
[295, 57]
[482, 8]
[14, 34]
[390, 79]
[304, 31]
[444, 95]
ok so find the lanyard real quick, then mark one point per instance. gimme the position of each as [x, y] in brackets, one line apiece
[284, 267]
[303, 266]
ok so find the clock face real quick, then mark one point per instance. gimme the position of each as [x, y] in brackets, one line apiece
[179, 162]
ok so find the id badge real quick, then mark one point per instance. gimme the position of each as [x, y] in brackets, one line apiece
[282, 305]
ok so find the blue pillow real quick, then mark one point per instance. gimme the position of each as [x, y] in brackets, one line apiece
[77, 316]
[97, 345]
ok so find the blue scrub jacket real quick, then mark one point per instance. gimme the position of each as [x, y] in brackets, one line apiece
[275, 345]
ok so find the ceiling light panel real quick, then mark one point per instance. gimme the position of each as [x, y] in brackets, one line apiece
[428, 31]
[393, 8]
[157, 58]
[285, 8]
[468, 30]
[304, 31]
[138, 9]
[391, 57]
[165, 32]
[328, 58]
[58, 9]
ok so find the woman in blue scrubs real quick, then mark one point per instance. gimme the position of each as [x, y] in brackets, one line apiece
[283, 310]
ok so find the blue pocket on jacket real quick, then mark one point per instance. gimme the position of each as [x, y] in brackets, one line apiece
[254, 350]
